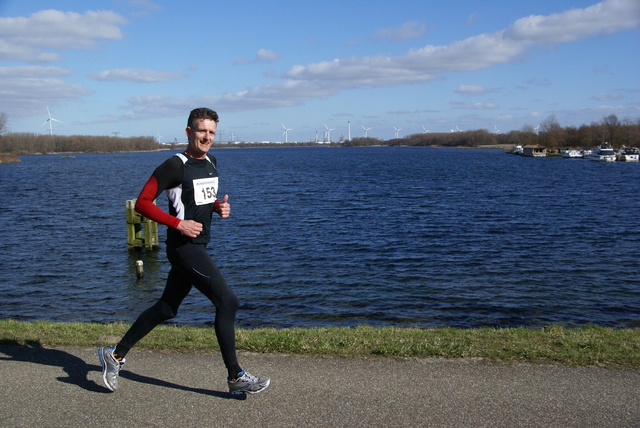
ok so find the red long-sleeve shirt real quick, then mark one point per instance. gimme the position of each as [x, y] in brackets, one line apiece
[191, 186]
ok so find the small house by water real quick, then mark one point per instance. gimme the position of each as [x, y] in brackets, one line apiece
[534, 150]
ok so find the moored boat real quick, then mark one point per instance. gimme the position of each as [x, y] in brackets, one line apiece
[603, 153]
[628, 154]
[572, 154]
[517, 150]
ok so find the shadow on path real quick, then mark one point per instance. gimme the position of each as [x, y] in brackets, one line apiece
[77, 369]
[153, 381]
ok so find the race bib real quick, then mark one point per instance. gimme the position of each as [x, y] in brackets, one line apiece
[205, 190]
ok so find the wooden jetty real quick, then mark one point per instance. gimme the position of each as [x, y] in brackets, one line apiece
[141, 232]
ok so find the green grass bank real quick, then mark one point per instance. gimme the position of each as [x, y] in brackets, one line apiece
[586, 347]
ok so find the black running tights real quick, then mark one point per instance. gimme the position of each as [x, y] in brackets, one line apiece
[191, 266]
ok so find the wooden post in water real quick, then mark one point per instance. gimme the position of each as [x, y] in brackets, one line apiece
[139, 269]
[141, 232]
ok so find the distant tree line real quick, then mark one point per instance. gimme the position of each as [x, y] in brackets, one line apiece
[364, 141]
[552, 136]
[475, 138]
[548, 134]
[27, 144]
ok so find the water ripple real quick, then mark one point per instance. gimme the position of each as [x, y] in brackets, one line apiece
[339, 237]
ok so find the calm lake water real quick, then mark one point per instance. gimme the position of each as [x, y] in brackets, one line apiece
[339, 237]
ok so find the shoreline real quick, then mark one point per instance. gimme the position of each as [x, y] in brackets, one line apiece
[591, 346]
[9, 158]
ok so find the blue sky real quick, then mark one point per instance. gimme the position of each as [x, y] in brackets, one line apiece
[138, 67]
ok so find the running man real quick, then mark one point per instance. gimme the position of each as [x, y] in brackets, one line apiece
[190, 180]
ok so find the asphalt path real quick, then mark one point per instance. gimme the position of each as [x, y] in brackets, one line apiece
[56, 387]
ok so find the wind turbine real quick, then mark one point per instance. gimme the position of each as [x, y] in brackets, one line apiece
[424, 130]
[397, 130]
[366, 131]
[158, 137]
[497, 131]
[286, 133]
[50, 119]
[328, 133]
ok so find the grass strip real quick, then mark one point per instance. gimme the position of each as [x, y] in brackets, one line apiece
[585, 346]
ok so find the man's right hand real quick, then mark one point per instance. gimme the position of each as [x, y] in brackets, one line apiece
[190, 228]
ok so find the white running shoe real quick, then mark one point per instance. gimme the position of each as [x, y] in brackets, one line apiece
[248, 383]
[110, 367]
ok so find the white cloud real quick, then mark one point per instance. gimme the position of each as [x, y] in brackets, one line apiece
[472, 19]
[602, 18]
[43, 81]
[28, 39]
[326, 78]
[477, 52]
[12, 51]
[33, 71]
[137, 75]
[266, 55]
[284, 94]
[471, 89]
[607, 97]
[475, 106]
[406, 31]
[144, 7]
[376, 71]
[263, 55]
[538, 82]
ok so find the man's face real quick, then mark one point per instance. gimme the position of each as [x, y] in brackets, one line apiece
[200, 136]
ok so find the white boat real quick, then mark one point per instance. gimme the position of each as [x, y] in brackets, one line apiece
[628, 154]
[603, 153]
[572, 154]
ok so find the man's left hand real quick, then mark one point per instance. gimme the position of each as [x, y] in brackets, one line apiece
[224, 208]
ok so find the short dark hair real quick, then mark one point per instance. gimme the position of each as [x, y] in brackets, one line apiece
[202, 113]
